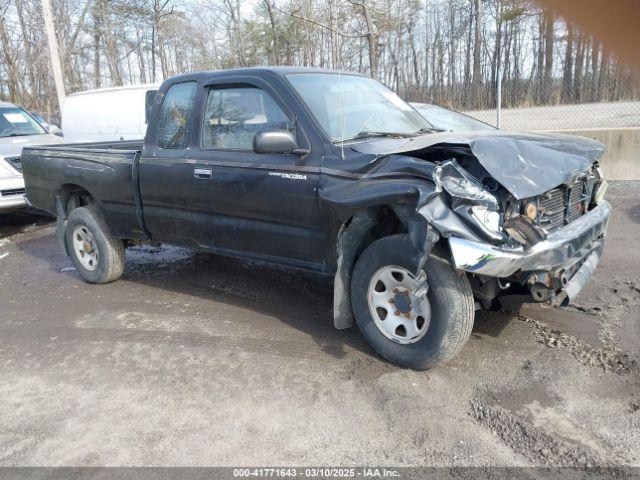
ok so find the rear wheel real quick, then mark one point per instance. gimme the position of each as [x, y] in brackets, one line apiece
[97, 256]
[412, 330]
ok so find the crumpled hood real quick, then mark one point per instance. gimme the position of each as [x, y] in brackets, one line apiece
[526, 164]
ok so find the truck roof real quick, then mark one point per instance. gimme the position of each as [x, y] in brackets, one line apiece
[279, 71]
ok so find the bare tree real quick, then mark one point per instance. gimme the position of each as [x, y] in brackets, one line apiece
[444, 51]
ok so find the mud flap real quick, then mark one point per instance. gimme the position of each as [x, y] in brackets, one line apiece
[61, 224]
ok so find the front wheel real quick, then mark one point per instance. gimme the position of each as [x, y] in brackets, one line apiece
[97, 256]
[412, 331]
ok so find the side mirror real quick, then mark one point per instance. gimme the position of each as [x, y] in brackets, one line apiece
[55, 130]
[276, 141]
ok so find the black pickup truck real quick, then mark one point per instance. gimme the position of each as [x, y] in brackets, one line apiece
[333, 172]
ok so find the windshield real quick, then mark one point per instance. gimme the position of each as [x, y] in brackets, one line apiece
[349, 106]
[450, 120]
[15, 122]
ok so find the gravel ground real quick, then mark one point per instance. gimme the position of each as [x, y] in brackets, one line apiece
[194, 359]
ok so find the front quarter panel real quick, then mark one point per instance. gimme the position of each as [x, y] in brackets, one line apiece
[359, 181]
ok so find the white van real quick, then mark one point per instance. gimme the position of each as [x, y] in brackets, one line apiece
[108, 114]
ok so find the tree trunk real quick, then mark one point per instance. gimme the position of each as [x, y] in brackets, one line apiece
[539, 88]
[28, 47]
[274, 33]
[548, 54]
[372, 39]
[96, 42]
[467, 61]
[12, 77]
[593, 89]
[426, 50]
[567, 76]
[110, 46]
[477, 51]
[603, 76]
[577, 77]
[153, 54]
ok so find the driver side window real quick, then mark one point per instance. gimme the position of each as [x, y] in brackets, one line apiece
[233, 116]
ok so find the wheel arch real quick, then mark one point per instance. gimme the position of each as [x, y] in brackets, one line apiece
[356, 232]
[68, 197]
[73, 195]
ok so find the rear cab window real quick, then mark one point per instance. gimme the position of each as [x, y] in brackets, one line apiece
[175, 116]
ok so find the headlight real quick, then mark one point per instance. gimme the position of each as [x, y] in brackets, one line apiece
[470, 200]
[460, 184]
[489, 219]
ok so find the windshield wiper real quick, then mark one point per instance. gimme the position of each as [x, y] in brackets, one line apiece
[371, 134]
[428, 130]
[20, 134]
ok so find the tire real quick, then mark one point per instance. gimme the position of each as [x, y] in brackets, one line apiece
[106, 251]
[449, 299]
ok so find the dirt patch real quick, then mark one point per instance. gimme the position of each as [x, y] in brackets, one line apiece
[608, 357]
[196, 359]
[584, 324]
[528, 440]
[366, 370]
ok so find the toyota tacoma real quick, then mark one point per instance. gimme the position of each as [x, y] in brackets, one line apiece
[332, 172]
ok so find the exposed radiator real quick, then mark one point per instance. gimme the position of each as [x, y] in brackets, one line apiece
[564, 204]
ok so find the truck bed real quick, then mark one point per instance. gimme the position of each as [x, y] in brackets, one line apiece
[106, 170]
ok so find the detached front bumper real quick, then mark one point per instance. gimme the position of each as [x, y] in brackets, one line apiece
[580, 241]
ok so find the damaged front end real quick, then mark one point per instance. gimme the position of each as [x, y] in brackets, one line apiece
[542, 248]
[523, 215]
[554, 269]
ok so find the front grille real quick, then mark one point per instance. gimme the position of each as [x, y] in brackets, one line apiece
[552, 208]
[15, 162]
[12, 192]
[576, 204]
[564, 204]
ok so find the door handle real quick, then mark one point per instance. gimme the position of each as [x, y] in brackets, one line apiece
[202, 173]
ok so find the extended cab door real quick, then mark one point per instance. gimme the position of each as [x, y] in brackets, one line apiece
[241, 202]
[162, 168]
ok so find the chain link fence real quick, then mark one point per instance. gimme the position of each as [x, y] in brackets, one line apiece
[584, 116]
[581, 106]
[534, 105]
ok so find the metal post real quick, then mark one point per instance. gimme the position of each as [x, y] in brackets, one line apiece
[53, 51]
[498, 94]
